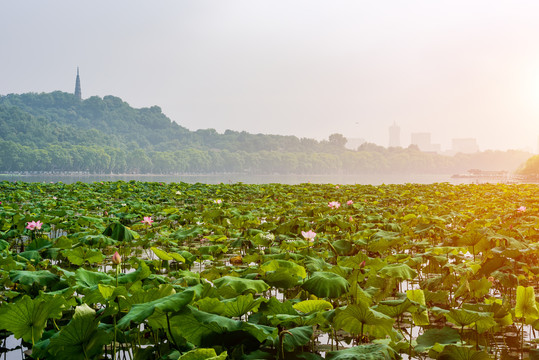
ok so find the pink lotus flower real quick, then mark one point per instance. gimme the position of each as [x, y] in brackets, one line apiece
[116, 258]
[334, 204]
[147, 220]
[308, 235]
[349, 202]
[521, 209]
[33, 225]
[218, 201]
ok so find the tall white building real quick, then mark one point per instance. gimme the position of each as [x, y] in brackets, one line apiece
[394, 135]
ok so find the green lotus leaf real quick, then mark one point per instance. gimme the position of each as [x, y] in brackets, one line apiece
[142, 272]
[433, 337]
[88, 220]
[161, 254]
[354, 317]
[453, 352]
[186, 234]
[263, 239]
[28, 317]
[140, 312]
[120, 232]
[4, 245]
[87, 278]
[81, 338]
[39, 244]
[364, 352]
[97, 240]
[230, 286]
[211, 305]
[282, 278]
[398, 271]
[464, 317]
[311, 306]
[286, 320]
[213, 249]
[196, 326]
[80, 255]
[393, 308]
[420, 316]
[143, 296]
[32, 256]
[241, 305]
[526, 307]
[325, 284]
[203, 354]
[274, 307]
[40, 277]
[296, 337]
[343, 247]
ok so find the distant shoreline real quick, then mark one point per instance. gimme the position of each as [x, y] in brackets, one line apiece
[290, 179]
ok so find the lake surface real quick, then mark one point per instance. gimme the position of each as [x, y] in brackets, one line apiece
[363, 179]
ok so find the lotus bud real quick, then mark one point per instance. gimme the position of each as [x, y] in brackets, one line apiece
[116, 258]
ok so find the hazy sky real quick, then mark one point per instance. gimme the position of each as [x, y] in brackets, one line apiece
[456, 69]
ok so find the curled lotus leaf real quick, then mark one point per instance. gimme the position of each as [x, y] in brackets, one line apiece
[364, 352]
[40, 277]
[398, 271]
[436, 338]
[326, 284]
[230, 286]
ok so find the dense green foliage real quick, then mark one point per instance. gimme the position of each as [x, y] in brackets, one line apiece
[530, 167]
[269, 271]
[57, 132]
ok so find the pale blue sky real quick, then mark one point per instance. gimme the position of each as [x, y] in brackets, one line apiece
[307, 68]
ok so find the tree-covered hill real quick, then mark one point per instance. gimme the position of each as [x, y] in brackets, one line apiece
[58, 132]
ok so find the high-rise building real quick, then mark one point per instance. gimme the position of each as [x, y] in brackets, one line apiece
[78, 93]
[394, 135]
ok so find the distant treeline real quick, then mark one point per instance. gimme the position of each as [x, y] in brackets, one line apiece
[57, 132]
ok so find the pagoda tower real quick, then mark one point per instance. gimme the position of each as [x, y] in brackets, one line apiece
[78, 93]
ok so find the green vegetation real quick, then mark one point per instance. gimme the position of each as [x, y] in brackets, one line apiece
[56, 132]
[531, 167]
[237, 271]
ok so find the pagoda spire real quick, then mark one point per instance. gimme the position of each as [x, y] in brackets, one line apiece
[78, 93]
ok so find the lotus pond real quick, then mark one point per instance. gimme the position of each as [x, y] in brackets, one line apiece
[140, 270]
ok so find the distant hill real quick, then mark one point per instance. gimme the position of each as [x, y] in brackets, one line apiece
[58, 132]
